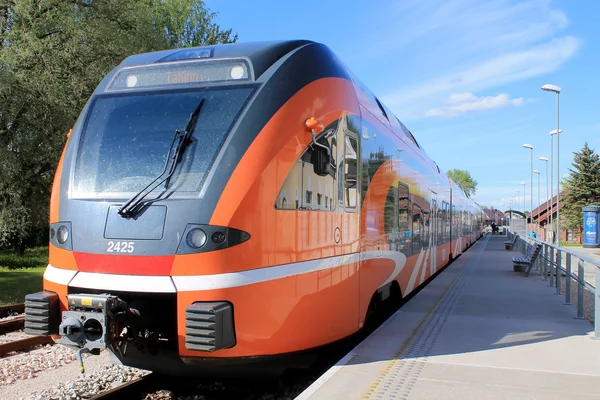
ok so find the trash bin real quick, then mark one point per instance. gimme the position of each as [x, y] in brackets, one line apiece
[590, 226]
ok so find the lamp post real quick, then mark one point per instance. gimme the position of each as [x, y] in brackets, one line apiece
[539, 207]
[510, 215]
[548, 202]
[523, 183]
[557, 219]
[530, 147]
[556, 89]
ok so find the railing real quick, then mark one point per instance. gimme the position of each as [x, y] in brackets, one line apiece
[552, 257]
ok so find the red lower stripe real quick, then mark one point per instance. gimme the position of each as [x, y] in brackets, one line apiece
[123, 264]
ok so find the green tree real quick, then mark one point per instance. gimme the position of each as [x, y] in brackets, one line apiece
[463, 179]
[53, 54]
[581, 188]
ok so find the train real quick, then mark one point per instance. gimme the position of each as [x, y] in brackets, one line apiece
[232, 206]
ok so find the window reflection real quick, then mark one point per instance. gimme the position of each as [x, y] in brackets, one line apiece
[303, 189]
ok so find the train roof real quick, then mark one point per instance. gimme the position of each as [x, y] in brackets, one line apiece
[261, 54]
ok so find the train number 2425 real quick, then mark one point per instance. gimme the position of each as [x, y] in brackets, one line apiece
[120, 247]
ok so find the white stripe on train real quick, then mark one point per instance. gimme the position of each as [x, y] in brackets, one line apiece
[167, 284]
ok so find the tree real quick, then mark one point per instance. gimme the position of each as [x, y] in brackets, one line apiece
[581, 188]
[463, 179]
[53, 54]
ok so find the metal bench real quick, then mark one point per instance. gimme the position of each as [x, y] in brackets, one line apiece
[510, 245]
[519, 263]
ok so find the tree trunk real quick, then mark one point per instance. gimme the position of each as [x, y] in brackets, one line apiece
[19, 247]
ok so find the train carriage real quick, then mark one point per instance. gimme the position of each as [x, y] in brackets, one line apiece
[233, 204]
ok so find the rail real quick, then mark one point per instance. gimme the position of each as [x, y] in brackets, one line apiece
[554, 257]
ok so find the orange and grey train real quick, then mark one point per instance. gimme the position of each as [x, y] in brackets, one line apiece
[228, 205]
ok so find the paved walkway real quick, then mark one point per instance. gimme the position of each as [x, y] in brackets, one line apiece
[478, 331]
[589, 270]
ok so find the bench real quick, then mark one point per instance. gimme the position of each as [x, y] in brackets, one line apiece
[510, 245]
[521, 262]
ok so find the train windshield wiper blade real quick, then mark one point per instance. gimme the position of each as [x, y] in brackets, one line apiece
[181, 139]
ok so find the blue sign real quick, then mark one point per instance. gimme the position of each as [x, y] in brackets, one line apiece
[590, 227]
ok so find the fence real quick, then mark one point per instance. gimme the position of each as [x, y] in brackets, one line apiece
[552, 258]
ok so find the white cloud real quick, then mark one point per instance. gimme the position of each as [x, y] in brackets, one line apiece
[474, 24]
[460, 103]
[469, 46]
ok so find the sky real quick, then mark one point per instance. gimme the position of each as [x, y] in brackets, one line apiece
[464, 76]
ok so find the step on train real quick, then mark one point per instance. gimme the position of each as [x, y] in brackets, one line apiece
[231, 206]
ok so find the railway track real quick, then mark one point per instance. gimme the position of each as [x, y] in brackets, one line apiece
[6, 311]
[24, 344]
[11, 325]
[131, 390]
[12, 322]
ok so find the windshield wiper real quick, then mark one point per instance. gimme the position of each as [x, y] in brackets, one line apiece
[181, 139]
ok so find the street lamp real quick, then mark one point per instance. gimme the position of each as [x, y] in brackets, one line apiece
[557, 219]
[523, 183]
[556, 89]
[530, 147]
[539, 207]
[548, 202]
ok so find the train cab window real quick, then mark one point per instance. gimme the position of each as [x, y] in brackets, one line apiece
[350, 171]
[307, 186]
[125, 139]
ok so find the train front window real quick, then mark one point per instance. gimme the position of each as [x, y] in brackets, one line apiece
[126, 138]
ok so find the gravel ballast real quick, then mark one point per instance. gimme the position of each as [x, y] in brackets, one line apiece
[52, 372]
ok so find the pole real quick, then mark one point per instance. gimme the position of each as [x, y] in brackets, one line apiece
[557, 174]
[540, 204]
[548, 211]
[524, 209]
[531, 191]
[551, 187]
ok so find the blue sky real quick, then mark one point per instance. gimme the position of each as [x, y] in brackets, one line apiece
[463, 75]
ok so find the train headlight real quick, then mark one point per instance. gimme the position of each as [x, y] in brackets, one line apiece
[237, 72]
[196, 238]
[62, 234]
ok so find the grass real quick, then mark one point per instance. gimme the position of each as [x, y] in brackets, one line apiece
[21, 275]
[565, 244]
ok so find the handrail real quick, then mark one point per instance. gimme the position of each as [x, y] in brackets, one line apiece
[550, 263]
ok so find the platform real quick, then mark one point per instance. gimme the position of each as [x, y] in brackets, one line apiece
[477, 331]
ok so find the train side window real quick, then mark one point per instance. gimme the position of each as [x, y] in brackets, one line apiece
[404, 224]
[308, 187]
[408, 133]
[417, 228]
[350, 170]
[445, 222]
[454, 224]
[390, 219]
[426, 226]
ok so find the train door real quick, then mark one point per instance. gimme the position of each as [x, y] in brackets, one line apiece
[433, 234]
[348, 206]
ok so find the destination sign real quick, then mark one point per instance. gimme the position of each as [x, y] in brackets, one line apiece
[180, 73]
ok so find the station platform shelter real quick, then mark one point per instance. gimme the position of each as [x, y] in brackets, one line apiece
[480, 331]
